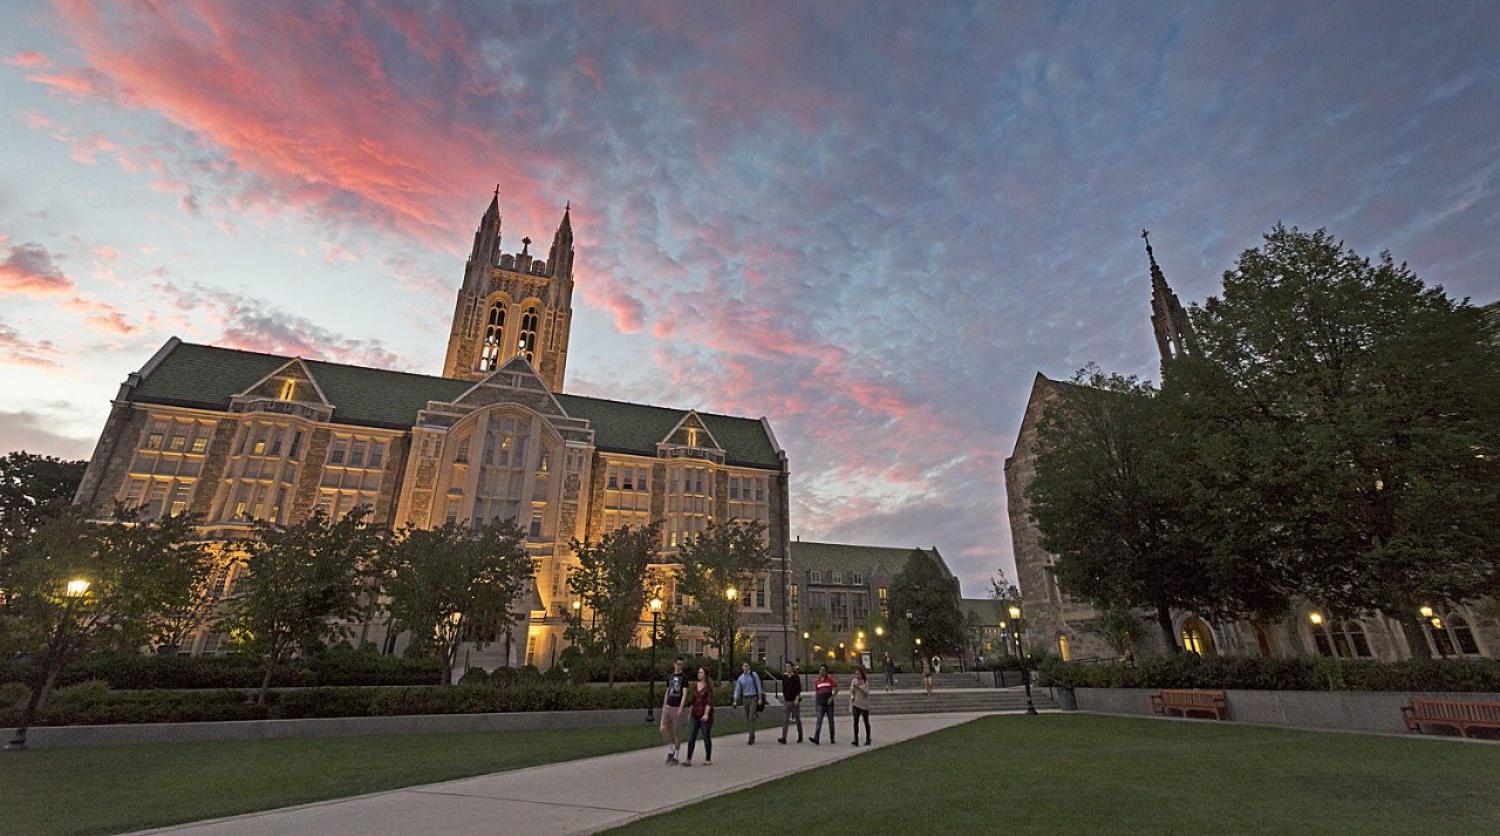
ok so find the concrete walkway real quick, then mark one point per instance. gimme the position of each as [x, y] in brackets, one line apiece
[580, 796]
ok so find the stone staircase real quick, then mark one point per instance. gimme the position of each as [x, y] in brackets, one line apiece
[947, 700]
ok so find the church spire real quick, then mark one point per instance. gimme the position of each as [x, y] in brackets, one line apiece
[560, 258]
[486, 252]
[1174, 334]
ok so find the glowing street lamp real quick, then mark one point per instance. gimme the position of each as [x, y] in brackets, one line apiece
[651, 696]
[78, 587]
[1315, 617]
[1015, 616]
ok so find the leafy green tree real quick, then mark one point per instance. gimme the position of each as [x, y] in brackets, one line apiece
[1110, 502]
[445, 584]
[931, 597]
[1119, 628]
[1347, 423]
[33, 488]
[727, 556]
[78, 584]
[301, 586]
[612, 579]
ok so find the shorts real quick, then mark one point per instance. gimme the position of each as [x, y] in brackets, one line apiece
[672, 717]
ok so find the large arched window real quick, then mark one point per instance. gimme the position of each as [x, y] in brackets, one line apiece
[1196, 637]
[494, 333]
[1344, 639]
[527, 343]
[1452, 636]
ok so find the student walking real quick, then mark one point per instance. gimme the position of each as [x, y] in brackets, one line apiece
[859, 701]
[927, 675]
[702, 699]
[672, 712]
[889, 666]
[791, 701]
[824, 688]
[748, 687]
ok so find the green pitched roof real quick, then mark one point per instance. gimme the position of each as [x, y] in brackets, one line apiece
[843, 557]
[206, 377]
[987, 610]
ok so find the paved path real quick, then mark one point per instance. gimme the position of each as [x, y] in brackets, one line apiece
[580, 796]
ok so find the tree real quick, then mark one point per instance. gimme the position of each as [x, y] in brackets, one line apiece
[452, 582]
[1119, 628]
[301, 586]
[1349, 433]
[189, 613]
[931, 597]
[33, 488]
[1110, 502]
[611, 580]
[76, 583]
[726, 556]
[1001, 589]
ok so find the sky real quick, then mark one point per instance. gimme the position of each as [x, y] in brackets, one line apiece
[873, 223]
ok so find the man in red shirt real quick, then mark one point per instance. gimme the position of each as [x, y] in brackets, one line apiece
[825, 687]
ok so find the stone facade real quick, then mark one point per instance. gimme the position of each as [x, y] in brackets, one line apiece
[234, 437]
[1058, 624]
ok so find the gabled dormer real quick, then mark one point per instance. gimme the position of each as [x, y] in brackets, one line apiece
[692, 439]
[289, 390]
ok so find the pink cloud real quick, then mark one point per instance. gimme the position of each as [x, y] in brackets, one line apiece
[101, 315]
[29, 270]
[20, 351]
[29, 59]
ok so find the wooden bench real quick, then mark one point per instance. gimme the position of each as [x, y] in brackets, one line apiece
[1185, 702]
[1460, 715]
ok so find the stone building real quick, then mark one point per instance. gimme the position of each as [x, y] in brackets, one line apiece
[1058, 624]
[839, 595]
[236, 436]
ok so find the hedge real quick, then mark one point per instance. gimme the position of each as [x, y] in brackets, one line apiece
[131, 671]
[635, 666]
[93, 703]
[1298, 674]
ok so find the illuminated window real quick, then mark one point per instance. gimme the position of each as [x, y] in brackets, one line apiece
[178, 442]
[494, 333]
[200, 444]
[1063, 650]
[288, 390]
[527, 343]
[153, 441]
[1196, 637]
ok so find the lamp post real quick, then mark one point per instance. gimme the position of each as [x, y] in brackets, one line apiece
[73, 591]
[730, 595]
[651, 698]
[1015, 616]
[806, 656]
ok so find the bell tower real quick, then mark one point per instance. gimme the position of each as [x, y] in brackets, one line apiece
[513, 303]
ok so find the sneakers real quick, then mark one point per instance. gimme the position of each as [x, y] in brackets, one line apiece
[671, 759]
[815, 742]
[685, 763]
[781, 740]
[856, 743]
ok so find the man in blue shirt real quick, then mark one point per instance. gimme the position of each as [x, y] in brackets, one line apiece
[749, 687]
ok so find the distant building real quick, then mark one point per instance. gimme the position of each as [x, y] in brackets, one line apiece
[237, 436]
[1068, 627]
[840, 594]
[987, 627]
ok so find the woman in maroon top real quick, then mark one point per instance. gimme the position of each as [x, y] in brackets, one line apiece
[702, 698]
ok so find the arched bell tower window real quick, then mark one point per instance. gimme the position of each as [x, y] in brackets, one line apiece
[527, 344]
[494, 331]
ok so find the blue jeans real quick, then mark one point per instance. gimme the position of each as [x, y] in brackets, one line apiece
[707, 727]
[824, 709]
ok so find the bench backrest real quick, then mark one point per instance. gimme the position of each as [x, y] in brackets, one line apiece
[1457, 709]
[1187, 697]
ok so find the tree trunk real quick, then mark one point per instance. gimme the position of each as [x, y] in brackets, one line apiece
[1416, 634]
[265, 681]
[1164, 620]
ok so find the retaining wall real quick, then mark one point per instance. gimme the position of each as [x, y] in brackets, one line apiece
[1363, 711]
[48, 736]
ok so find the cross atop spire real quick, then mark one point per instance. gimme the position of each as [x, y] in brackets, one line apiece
[1146, 234]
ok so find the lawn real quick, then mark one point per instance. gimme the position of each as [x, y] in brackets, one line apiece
[1093, 774]
[102, 789]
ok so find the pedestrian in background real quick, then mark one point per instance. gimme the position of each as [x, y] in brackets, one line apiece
[748, 689]
[791, 700]
[672, 712]
[824, 690]
[890, 671]
[927, 674]
[703, 718]
[859, 703]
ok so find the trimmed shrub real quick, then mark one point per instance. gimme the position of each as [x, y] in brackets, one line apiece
[337, 666]
[1308, 673]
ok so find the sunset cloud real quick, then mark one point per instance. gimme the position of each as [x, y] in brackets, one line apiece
[29, 270]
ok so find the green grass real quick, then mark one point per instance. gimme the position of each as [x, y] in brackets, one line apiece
[1092, 774]
[103, 789]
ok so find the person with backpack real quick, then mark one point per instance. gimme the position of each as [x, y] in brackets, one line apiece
[859, 702]
[749, 687]
[672, 713]
[890, 671]
[701, 698]
[791, 701]
[824, 689]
